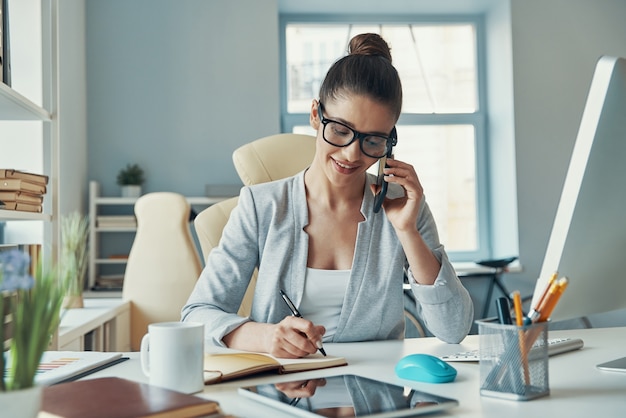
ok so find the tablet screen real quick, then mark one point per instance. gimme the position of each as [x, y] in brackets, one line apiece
[346, 396]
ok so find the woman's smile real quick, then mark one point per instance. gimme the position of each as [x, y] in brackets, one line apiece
[343, 167]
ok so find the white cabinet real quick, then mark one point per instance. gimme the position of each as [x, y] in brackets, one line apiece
[102, 325]
[112, 229]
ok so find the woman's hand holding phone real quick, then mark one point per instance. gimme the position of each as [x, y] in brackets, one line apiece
[402, 212]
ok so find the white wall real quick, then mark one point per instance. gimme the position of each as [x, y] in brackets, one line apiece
[72, 106]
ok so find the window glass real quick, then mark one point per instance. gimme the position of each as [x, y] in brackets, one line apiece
[436, 63]
[443, 157]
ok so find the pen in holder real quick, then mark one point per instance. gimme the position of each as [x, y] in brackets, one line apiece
[513, 360]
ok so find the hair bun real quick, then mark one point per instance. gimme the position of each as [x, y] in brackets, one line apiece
[369, 44]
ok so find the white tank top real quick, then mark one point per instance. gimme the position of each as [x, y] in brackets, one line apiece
[324, 291]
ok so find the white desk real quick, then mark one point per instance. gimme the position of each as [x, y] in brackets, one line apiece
[577, 388]
[107, 321]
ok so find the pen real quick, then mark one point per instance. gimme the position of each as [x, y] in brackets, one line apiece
[504, 311]
[294, 312]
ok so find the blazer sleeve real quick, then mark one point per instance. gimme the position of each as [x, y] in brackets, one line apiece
[222, 284]
[445, 306]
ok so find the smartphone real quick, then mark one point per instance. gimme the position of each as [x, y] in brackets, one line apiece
[380, 180]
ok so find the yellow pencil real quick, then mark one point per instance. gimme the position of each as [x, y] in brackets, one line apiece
[556, 290]
[519, 320]
[517, 306]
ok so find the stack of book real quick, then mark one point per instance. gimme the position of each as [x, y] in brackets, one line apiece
[116, 221]
[23, 191]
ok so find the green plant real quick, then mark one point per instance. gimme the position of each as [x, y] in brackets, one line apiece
[34, 304]
[74, 249]
[132, 174]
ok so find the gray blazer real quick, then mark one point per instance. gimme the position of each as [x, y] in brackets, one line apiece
[266, 230]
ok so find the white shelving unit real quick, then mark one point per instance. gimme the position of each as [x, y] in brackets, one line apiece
[16, 107]
[108, 264]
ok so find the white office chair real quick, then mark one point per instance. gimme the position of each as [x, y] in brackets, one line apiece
[163, 264]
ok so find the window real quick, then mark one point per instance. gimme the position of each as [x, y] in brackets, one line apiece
[441, 129]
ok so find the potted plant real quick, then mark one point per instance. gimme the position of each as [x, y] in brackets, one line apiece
[31, 309]
[74, 235]
[130, 179]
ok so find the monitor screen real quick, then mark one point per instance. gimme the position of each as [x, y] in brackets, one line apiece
[588, 239]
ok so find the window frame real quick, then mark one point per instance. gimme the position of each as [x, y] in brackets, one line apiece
[478, 119]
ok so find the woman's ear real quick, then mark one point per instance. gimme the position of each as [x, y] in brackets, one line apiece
[314, 117]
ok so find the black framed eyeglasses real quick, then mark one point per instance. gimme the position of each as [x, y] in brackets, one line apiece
[341, 135]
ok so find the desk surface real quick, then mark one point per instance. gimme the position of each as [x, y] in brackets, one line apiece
[577, 388]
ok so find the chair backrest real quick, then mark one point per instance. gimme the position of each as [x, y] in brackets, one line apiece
[163, 264]
[273, 157]
[210, 222]
[265, 159]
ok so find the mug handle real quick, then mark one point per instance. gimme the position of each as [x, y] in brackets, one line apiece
[144, 354]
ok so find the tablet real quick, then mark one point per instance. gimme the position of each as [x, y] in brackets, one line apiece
[346, 396]
[618, 365]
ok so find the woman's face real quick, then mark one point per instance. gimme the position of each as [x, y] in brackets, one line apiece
[344, 165]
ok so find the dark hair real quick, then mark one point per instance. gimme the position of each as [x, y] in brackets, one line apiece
[366, 70]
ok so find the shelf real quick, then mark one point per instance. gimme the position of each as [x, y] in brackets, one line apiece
[111, 260]
[193, 200]
[102, 294]
[14, 106]
[17, 215]
[115, 229]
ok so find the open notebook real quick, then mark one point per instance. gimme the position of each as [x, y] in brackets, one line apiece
[62, 366]
[232, 364]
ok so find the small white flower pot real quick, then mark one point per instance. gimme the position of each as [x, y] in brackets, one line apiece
[131, 190]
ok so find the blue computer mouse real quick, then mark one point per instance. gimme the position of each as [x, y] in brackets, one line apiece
[425, 368]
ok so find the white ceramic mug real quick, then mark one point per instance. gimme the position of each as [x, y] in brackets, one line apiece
[172, 355]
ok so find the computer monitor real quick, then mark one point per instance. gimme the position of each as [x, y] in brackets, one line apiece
[588, 239]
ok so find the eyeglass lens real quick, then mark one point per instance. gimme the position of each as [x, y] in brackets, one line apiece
[340, 135]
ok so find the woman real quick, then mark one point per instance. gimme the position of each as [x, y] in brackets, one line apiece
[316, 236]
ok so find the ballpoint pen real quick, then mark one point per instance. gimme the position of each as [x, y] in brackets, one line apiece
[296, 313]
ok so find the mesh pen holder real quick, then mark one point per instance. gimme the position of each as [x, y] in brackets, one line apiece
[513, 360]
